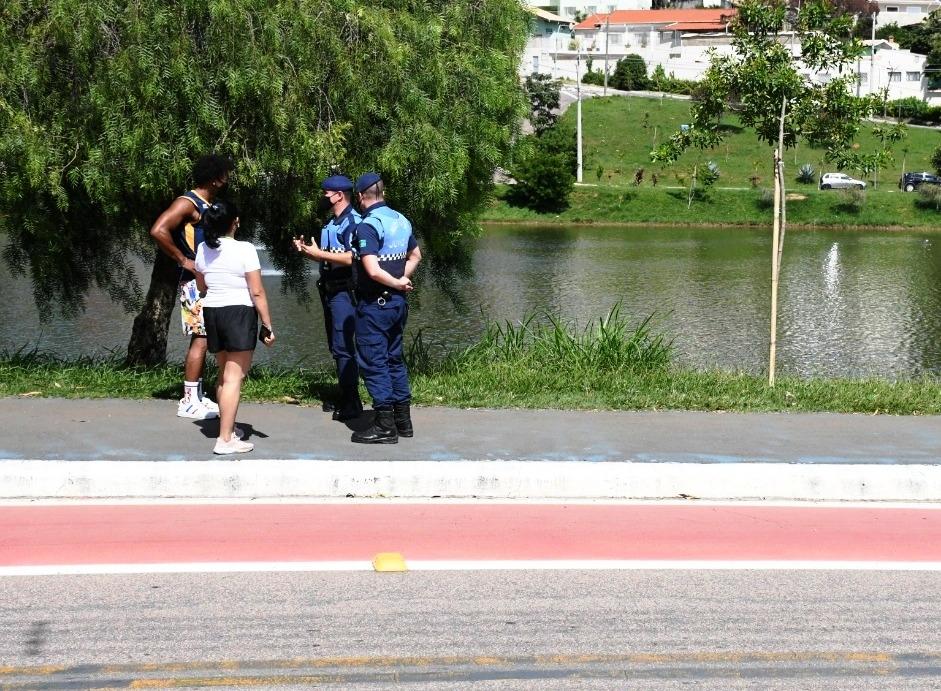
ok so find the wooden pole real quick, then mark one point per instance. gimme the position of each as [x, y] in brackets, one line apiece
[775, 237]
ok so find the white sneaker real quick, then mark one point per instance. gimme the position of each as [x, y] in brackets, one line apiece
[195, 410]
[232, 446]
[209, 403]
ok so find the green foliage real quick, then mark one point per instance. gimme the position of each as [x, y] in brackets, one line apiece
[762, 75]
[104, 105]
[936, 159]
[595, 77]
[544, 181]
[543, 92]
[929, 197]
[806, 174]
[611, 344]
[630, 74]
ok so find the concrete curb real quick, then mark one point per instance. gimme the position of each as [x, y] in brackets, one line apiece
[499, 479]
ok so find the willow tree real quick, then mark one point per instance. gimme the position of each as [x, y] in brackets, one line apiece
[105, 104]
[765, 82]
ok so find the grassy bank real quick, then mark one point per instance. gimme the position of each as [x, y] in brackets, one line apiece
[609, 364]
[640, 205]
[620, 132]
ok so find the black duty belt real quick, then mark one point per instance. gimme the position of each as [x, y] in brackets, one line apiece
[380, 297]
[336, 285]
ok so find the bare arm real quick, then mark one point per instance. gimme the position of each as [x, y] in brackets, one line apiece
[313, 252]
[180, 211]
[380, 275]
[257, 290]
[201, 282]
[412, 261]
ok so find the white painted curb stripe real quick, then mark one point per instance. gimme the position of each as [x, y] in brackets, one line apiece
[484, 565]
[500, 479]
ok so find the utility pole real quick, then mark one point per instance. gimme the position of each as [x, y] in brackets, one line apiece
[872, 55]
[607, 27]
[578, 112]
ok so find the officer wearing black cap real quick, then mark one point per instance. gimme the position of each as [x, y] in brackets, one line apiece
[336, 288]
[385, 256]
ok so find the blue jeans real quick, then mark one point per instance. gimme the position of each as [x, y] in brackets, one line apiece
[379, 331]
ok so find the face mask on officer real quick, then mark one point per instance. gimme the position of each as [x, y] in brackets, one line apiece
[325, 204]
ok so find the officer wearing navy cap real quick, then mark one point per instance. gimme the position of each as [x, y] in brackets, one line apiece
[336, 288]
[385, 256]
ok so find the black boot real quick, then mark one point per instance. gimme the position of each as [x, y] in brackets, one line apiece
[381, 432]
[349, 409]
[403, 419]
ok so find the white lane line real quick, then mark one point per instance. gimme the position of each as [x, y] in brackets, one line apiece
[482, 565]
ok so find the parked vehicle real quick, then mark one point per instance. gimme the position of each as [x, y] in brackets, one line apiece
[839, 181]
[912, 181]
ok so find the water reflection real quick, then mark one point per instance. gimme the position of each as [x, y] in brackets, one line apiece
[851, 303]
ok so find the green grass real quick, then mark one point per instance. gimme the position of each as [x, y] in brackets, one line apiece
[620, 133]
[646, 205]
[609, 363]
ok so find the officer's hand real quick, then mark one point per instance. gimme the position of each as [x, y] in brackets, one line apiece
[269, 341]
[405, 284]
[299, 243]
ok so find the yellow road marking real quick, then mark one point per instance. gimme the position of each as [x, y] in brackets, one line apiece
[396, 663]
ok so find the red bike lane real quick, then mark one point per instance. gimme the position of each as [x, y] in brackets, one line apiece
[44, 535]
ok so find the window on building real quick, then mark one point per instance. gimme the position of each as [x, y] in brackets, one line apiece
[913, 76]
[535, 64]
[616, 39]
[549, 31]
[570, 11]
[591, 9]
[915, 9]
[892, 8]
[895, 77]
[863, 77]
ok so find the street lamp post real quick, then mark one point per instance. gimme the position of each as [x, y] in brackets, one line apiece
[578, 112]
[872, 55]
[607, 31]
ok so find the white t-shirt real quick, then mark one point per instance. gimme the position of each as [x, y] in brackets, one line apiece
[225, 268]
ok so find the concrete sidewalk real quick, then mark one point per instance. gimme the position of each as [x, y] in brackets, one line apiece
[123, 448]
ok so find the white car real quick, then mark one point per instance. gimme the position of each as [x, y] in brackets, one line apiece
[838, 181]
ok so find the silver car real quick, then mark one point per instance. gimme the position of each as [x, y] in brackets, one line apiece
[838, 181]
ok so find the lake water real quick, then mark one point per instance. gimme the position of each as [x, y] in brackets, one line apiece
[851, 303]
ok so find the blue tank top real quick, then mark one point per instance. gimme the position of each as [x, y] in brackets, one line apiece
[336, 237]
[188, 236]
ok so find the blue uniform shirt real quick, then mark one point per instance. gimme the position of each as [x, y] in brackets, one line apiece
[189, 235]
[387, 234]
[336, 237]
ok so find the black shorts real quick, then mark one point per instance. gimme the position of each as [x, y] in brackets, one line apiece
[231, 328]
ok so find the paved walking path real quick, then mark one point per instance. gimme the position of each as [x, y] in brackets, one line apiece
[55, 447]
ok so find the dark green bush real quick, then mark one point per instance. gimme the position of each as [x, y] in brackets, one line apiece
[630, 74]
[593, 77]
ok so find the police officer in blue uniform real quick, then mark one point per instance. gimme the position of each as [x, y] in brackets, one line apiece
[385, 255]
[336, 288]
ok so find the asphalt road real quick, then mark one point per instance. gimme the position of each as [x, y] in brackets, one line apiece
[500, 629]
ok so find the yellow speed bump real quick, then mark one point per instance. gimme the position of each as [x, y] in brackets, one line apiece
[389, 561]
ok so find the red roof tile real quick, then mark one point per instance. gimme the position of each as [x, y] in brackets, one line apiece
[696, 26]
[713, 16]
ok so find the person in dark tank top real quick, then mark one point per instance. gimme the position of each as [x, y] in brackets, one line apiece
[178, 231]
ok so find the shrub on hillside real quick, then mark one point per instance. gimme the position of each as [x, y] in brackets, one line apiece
[929, 197]
[806, 174]
[593, 77]
[545, 174]
[630, 74]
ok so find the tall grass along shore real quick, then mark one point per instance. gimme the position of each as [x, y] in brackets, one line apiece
[609, 363]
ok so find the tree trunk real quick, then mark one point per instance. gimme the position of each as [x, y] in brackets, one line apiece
[148, 344]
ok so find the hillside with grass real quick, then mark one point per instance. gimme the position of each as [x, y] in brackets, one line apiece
[620, 132]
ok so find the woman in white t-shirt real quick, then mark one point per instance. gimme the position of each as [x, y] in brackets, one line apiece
[229, 274]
